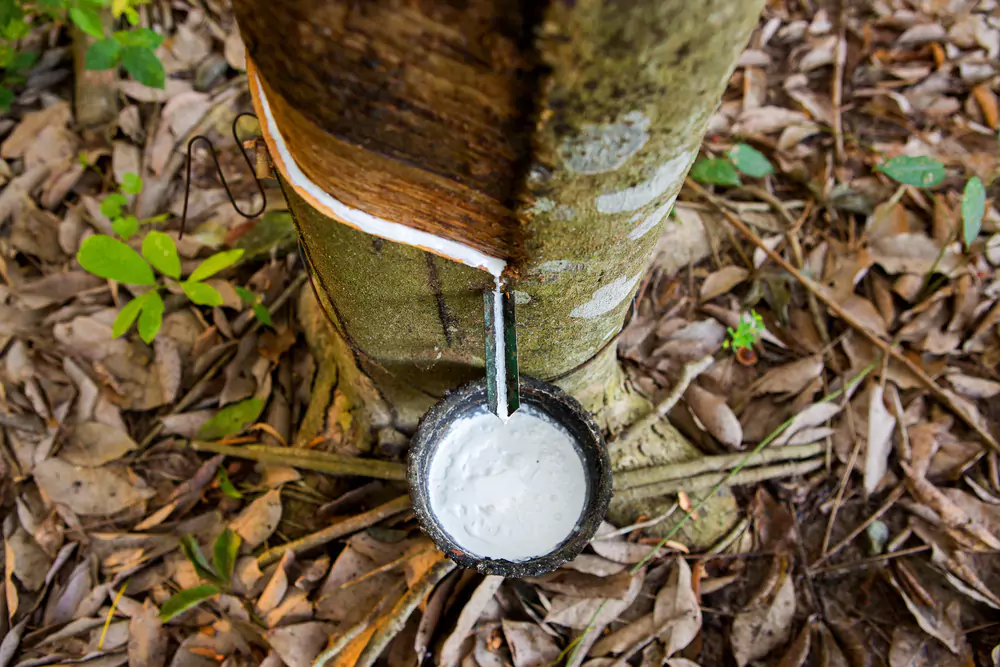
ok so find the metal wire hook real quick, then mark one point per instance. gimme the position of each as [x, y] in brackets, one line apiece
[222, 177]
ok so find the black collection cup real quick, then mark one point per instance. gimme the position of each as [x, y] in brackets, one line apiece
[540, 397]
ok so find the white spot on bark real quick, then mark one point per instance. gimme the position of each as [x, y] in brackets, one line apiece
[543, 205]
[563, 213]
[521, 298]
[559, 266]
[629, 199]
[653, 221]
[600, 148]
[606, 298]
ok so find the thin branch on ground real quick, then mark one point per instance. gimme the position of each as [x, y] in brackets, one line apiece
[896, 494]
[867, 562]
[339, 529]
[838, 310]
[352, 632]
[331, 464]
[394, 622]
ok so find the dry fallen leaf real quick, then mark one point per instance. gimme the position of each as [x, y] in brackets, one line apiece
[93, 444]
[87, 491]
[716, 415]
[722, 281]
[259, 519]
[881, 425]
[759, 631]
[676, 611]
[299, 644]
[790, 378]
[529, 645]
[449, 654]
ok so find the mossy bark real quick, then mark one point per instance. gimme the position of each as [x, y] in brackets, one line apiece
[624, 92]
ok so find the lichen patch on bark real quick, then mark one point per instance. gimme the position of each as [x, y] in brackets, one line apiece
[630, 199]
[600, 148]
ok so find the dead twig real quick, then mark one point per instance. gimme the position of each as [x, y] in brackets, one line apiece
[331, 464]
[896, 494]
[867, 562]
[339, 529]
[844, 478]
[352, 632]
[835, 308]
[393, 623]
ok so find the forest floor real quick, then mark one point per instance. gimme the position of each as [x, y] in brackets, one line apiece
[877, 546]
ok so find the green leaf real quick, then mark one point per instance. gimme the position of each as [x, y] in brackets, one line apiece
[920, 172]
[88, 20]
[202, 294]
[191, 550]
[102, 54]
[717, 171]
[144, 66]
[226, 486]
[22, 60]
[125, 227]
[973, 209]
[161, 252]
[107, 257]
[750, 161]
[216, 263]
[131, 184]
[112, 205]
[232, 419]
[140, 37]
[186, 599]
[151, 318]
[245, 294]
[6, 98]
[127, 315]
[224, 553]
[262, 314]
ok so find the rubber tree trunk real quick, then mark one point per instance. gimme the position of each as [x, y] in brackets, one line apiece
[555, 136]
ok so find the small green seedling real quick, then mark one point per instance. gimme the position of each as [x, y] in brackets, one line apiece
[746, 334]
[110, 258]
[133, 48]
[741, 158]
[219, 573]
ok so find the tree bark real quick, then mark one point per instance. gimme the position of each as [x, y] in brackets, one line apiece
[555, 138]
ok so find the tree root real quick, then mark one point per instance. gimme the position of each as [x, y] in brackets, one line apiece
[710, 480]
[685, 471]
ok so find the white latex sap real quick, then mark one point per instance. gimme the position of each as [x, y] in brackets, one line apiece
[511, 490]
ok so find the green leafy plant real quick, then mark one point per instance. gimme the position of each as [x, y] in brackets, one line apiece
[231, 419]
[973, 209]
[920, 172]
[741, 158]
[219, 573]
[133, 48]
[113, 259]
[746, 334]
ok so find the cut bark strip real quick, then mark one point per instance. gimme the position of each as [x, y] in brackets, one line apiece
[426, 232]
